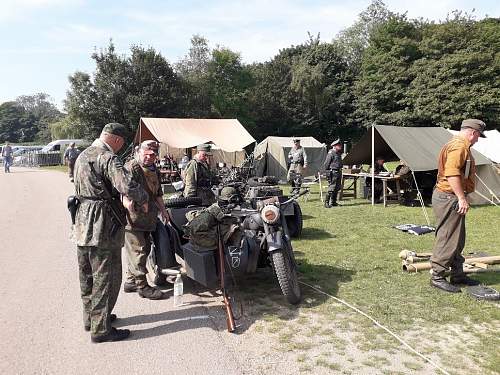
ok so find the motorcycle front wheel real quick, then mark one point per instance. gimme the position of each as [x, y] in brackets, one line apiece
[286, 272]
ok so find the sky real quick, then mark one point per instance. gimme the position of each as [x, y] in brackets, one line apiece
[45, 41]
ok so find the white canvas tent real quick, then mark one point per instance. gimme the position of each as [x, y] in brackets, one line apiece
[271, 156]
[419, 148]
[228, 135]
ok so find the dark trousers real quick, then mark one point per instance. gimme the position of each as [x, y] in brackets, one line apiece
[100, 280]
[334, 184]
[450, 235]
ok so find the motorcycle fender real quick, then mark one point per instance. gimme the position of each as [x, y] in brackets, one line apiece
[274, 241]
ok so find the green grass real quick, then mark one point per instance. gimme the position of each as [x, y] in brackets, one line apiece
[352, 252]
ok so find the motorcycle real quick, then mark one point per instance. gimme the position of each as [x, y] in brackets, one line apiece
[265, 241]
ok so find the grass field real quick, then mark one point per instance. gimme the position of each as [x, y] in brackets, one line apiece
[351, 252]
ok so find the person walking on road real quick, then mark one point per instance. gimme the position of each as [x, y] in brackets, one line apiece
[140, 224]
[100, 180]
[297, 158]
[70, 156]
[333, 168]
[455, 179]
[7, 157]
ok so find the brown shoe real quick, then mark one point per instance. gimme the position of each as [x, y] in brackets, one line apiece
[150, 293]
[129, 288]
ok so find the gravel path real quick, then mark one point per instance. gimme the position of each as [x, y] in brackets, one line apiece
[40, 311]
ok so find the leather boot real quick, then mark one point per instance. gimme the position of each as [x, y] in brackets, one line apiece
[150, 293]
[327, 200]
[129, 287]
[113, 335]
[443, 284]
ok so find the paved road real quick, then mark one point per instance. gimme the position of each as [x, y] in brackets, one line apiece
[40, 308]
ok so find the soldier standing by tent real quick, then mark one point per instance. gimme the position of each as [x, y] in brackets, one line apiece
[197, 177]
[455, 179]
[333, 168]
[297, 158]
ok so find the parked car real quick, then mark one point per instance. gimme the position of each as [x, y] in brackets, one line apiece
[59, 144]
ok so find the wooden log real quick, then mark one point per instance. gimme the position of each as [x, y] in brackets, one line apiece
[416, 267]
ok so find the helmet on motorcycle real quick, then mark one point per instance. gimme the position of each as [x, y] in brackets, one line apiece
[227, 193]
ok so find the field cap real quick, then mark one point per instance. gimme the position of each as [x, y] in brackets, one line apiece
[335, 142]
[115, 129]
[475, 124]
[203, 147]
[149, 147]
[295, 139]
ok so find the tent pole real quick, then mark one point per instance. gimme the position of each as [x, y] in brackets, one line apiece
[421, 200]
[373, 164]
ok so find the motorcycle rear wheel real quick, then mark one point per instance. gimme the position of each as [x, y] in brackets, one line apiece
[286, 271]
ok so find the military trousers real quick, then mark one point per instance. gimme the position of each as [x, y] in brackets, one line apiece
[294, 175]
[100, 273]
[137, 247]
[450, 235]
[334, 183]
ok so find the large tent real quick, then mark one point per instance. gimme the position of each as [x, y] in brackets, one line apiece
[271, 156]
[177, 135]
[419, 148]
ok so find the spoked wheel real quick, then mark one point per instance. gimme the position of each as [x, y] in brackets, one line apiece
[286, 272]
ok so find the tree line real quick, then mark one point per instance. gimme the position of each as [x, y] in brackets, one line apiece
[386, 69]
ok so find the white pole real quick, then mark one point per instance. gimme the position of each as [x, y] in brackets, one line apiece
[373, 164]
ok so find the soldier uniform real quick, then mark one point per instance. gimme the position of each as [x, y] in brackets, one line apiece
[333, 167]
[141, 224]
[197, 179]
[455, 159]
[99, 233]
[297, 157]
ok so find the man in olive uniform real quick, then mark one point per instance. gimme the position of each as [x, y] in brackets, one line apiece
[140, 224]
[333, 168]
[455, 179]
[100, 179]
[197, 177]
[297, 158]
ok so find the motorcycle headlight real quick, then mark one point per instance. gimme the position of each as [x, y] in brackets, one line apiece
[270, 214]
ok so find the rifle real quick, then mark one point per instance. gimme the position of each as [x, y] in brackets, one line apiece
[119, 220]
[231, 326]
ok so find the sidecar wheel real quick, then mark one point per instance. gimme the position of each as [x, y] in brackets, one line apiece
[295, 222]
[286, 272]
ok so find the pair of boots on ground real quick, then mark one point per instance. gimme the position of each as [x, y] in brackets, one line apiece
[452, 286]
[145, 291]
[331, 200]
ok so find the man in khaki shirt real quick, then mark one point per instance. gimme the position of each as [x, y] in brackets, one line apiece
[455, 179]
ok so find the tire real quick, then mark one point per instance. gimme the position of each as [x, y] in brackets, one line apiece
[286, 271]
[295, 222]
[182, 202]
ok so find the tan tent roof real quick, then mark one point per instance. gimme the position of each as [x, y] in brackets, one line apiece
[227, 134]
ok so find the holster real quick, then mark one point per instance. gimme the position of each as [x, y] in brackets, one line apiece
[73, 203]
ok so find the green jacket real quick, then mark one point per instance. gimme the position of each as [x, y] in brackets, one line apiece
[94, 220]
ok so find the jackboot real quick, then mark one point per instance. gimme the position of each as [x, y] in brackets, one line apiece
[463, 280]
[129, 287]
[150, 293]
[327, 201]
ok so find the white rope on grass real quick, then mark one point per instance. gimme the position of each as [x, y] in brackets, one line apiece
[380, 326]
[421, 200]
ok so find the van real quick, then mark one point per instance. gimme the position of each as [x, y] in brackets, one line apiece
[59, 144]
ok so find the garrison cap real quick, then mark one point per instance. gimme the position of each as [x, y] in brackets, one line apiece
[115, 129]
[149, 147]
[475, 124]
[203, 147]
[336, 142]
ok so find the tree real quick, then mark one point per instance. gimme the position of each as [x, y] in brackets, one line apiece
[41, 107]
[123, 89]
[16, 124]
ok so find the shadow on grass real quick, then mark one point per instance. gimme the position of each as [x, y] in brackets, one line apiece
[307, 217]
[315, 234]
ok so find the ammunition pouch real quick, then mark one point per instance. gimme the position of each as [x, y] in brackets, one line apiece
[73, 203]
